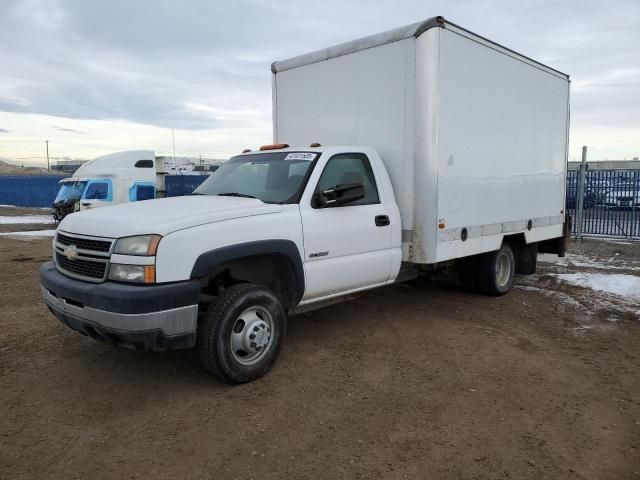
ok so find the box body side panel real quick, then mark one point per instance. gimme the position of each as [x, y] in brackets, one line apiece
[502, 137]
[365, 98]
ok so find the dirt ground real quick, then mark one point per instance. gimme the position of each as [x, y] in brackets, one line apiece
[418, 381]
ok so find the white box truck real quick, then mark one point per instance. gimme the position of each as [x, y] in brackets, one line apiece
[440, 149]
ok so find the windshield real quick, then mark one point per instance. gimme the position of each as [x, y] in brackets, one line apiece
[70, 191]
[271, 177]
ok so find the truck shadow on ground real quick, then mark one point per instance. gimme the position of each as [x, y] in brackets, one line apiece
[330, 330]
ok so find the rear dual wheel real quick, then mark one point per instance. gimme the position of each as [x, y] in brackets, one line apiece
[491, 273]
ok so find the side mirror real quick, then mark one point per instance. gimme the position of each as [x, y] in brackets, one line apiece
[339, 195]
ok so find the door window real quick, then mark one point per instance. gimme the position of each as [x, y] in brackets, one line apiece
[142, 191]
[97, 190]
[347, 168]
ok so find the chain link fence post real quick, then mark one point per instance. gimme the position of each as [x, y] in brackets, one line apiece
[582, 178]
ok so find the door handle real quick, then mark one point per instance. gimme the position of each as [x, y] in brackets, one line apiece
[382, 220]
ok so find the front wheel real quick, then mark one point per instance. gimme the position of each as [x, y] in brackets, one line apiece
[241, 333]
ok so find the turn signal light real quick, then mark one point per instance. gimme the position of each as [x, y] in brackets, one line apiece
[150, 274]
[275, 146]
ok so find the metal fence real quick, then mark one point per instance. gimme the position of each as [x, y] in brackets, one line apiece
[40, 190]
[29, 191]
[610, 203]
[178, 185]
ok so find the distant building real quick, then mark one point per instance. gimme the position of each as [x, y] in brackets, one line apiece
[205, 168]
[608, 165]
[67, 166]
[189, 165]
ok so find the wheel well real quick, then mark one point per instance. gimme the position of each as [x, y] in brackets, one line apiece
[516, 241]
[273, 271]
[524, 254]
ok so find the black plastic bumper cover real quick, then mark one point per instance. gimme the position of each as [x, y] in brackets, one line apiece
[122, 299]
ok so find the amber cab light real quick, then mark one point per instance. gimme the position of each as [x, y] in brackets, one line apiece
[246, 150]
[275, 146]
[315, 145]
[149, 274]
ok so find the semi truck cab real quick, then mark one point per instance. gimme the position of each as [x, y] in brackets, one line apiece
[120, 177]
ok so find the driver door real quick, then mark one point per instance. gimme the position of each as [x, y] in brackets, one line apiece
[346, 247]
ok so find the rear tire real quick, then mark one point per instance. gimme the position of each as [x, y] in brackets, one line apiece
[240, 336]
[496, 271]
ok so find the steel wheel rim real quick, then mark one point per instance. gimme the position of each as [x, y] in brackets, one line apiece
[252, 335]
[503, 269]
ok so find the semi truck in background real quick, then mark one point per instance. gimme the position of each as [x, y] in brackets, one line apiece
[423, 148]
[120, 177]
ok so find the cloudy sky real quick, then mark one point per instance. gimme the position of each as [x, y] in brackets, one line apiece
[94, 77]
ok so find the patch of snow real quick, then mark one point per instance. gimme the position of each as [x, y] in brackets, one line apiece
[25, 219]
[576, 260]
[564, 298]
[627, 286]
[617, 242]
[29, 235]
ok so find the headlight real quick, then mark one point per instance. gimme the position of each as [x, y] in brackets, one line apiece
[132, 273]
[140, 245]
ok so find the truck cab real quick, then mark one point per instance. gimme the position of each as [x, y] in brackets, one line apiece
[269, 232]
[119, 177]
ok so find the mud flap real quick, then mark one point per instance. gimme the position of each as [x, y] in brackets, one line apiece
[558, 245]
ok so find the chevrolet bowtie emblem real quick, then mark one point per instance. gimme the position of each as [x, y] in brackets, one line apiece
[70, 252]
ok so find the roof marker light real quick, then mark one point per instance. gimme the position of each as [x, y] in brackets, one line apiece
[246, 150]
[275, 146]
[315, 145]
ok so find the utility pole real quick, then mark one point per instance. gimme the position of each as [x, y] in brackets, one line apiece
[582, 177]
[47, 143]
[173, 139]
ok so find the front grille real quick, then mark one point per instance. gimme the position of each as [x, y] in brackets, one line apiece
[84, 268]
[84, 243]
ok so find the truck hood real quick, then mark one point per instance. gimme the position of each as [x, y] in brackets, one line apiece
[163, 215]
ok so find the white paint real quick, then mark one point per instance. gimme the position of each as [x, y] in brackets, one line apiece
[162, 216]
[359, 254]
[472, 135]
[242, 220]
[627, 286]
[25, 219]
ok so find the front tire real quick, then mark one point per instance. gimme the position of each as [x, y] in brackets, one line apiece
[241, 333]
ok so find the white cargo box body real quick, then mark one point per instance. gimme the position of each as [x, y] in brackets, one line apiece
[474, 136]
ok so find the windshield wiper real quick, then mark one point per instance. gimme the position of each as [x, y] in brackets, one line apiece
[236, 194]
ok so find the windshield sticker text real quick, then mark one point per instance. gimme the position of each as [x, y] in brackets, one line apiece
[301, 156]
